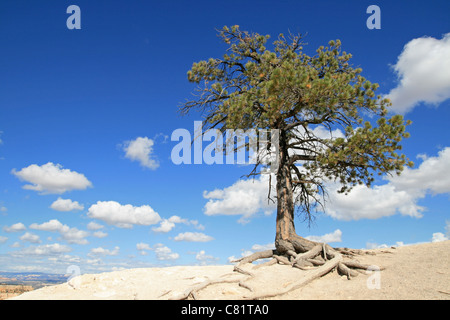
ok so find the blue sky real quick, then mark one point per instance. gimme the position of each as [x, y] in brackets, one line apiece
[86, 118]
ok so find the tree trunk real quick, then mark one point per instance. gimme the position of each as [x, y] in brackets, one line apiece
[286, 238]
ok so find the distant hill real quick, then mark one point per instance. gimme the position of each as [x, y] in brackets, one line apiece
[9, 291]
[34, 279]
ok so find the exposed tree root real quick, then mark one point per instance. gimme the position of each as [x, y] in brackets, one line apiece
[318, 261]
[313, 274]
[192, 292]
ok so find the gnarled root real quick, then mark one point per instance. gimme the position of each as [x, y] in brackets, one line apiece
[318, 260]
[313, 274]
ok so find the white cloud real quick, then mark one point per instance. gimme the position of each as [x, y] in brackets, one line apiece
[71, 235]
[371, 203]
[255, 248]
[94, 226]
[100, 234]
[3, 239]
[245, 198]
[319, 131]
[335, 236]
[33, 238]
[432, 175]
[51, 225]
[141, 150]
[438, 236]
[177, 219]
[164, 253]
[399, 195]
[143, 248]
[204, 258]
[372, 245]
[263, 247]
[66, 205]
[164, 227]
[197, 225]
[100, 251]
[323, 133]
[193, 237]
[167, 225]
[15, 227]
[423, 70]
[250, 197]
[43, 250]
[123, 216]
[51, 178]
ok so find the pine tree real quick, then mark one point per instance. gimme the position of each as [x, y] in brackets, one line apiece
[252, 87]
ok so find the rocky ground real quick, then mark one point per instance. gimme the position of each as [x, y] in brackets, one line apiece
[411, 272]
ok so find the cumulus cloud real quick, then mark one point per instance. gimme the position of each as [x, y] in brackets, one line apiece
[247, 198]
[94, 226]
[371, 203]
[193, 237]
[431, 175]
[51, 225]
[29, 237]
[438, 237]
[399, 195]
[99, 234]
[15, 227]
[3, 239]
[262, 247]
[204, 258]
[143, 248]
[164, 253]
[141, 150]
[71, 235]
[123, 216]
[43, 250]
[100, 251]
[244, 197]
[335, 236]
[66, 205]
[372, 245]
[254, 248]
[324, 133]
[51, 178]
[423, 70]
[167, 225]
